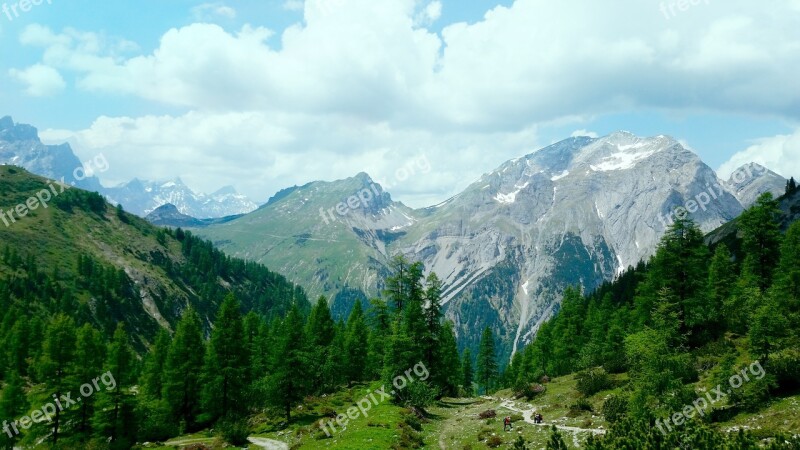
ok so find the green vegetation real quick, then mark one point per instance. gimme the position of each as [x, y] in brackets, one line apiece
[682, 325]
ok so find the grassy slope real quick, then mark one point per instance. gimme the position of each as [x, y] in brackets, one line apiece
[56, 237]
[291, 237]
[454, 423]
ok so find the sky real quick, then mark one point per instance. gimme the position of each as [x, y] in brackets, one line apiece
[266, 94]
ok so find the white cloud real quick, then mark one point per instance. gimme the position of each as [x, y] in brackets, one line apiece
[39, 80]
[583, 132]
[430, 13]
[781, 154]
[208, 12]
[359, 78]
[293, 5]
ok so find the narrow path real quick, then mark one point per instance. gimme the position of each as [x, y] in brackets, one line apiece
[268, 444]
[527, 416]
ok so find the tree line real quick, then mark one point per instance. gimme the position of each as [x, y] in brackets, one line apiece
[247, 364]
[692, 313]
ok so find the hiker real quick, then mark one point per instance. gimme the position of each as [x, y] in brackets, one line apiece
[539, 419]
[507, 424]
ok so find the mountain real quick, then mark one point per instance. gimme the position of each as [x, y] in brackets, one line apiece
[143, 197]
[302, 234]
[752, 180]
[68, 251]
[20, 145]
[577, 212]
[167, 215]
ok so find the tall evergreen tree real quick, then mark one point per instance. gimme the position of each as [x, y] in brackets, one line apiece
[182, 370]
[320, 331]
[432, 342]
[355, 344]
[467, 372]
[57, 362]
[114, 417]
[681, 266]
[287, 385]
[227, 364]
[449, 362]
[787, 281]
[13, 404]
[487, 361]
[761, 241]
[89, 357]
[721, 280]
[155, 360]
[380, 327]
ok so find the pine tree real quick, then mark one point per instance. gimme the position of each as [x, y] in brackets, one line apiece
[89, 357]
[397, 284]
[432, 342]
[182, 370]
[449, 362]
[721, 280]
[320, 332]
[380, 327]
[787, 281]
[287, 385]
[768, 327]
[227, 365]
[680, 265]
[761, 241]
[13, 404]
[355, 344]
[57, 362]
[487, 361]
[114, 417]
[153, 372]
[467, 372]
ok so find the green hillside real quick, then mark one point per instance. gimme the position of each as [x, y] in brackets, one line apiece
[82, 257]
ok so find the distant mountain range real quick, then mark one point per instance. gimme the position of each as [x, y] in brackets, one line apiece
[575, 213]
[20, 145]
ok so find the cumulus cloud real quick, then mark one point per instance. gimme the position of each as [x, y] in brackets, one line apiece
[358, 78]
[781, 154]
[39, 80]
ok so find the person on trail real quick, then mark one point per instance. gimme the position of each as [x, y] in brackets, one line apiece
[507, 424]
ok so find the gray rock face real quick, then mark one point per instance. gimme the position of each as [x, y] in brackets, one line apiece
[577, 212]
[20, 146]
[751, 180]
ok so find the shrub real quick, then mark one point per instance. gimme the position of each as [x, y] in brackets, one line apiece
[530, 391]
[489, 414]
[581, 406]
[615, 408]
[494, 441]
[593, 381]
[234, 431]
[420, 395]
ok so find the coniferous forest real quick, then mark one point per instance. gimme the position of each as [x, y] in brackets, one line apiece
[691, 316]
